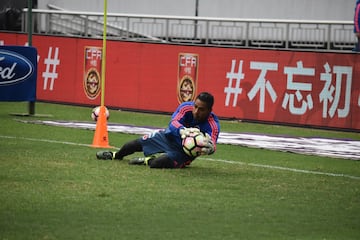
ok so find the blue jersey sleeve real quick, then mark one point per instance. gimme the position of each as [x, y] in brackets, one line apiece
[179, 119]
[211, 127]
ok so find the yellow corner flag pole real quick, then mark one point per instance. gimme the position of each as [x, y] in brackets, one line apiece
[103, 59]
[101, 139]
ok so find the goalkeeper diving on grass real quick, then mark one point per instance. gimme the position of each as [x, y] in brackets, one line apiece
[164, 148]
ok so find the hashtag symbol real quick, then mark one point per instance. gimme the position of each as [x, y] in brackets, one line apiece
[50, 72]
[233, 75]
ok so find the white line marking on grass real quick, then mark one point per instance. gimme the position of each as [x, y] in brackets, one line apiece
[46, 140]
[202, 158]
[283, 168]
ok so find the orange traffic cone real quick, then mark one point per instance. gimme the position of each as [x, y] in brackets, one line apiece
[101, 138]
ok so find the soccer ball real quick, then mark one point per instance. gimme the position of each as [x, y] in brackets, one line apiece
[96, 112]
[192, 144]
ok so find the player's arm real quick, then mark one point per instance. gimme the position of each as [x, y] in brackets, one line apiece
[182, 131]
[212, 133]
[209, 147]
[176, 125]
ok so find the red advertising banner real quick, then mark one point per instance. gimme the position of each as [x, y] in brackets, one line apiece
[304, 88]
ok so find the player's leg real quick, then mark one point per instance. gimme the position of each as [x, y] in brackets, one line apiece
[172, 155]
[163, 161]
[127, 149]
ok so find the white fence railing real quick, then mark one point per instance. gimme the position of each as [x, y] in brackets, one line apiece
[256, 33]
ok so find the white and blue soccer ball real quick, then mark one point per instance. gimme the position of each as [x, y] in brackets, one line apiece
[193, 144]
[96, 112]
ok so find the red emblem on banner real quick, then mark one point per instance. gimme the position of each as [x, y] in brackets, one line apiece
[187, 76]
[92, 71]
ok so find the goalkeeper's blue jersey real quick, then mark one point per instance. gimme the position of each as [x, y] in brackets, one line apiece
[183, 117]
[169, 140]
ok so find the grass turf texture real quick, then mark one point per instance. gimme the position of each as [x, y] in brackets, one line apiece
[59, 191]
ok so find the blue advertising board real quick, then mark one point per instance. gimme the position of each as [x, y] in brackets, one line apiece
[18, 72]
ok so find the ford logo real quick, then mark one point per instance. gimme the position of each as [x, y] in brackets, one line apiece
[14, 68]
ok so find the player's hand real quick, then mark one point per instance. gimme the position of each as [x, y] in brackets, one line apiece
[207, 137]
[207, 150]
[209, 147]
[185, 132]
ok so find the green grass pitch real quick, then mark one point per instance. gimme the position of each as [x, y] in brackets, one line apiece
[52, 187]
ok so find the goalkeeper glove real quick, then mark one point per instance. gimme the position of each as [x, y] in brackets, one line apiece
[209, 147]
[207, 150]
[185, 132]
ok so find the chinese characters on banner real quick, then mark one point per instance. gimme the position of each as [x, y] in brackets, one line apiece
[298, 96]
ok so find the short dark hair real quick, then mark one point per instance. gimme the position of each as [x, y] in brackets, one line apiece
[206, 97]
